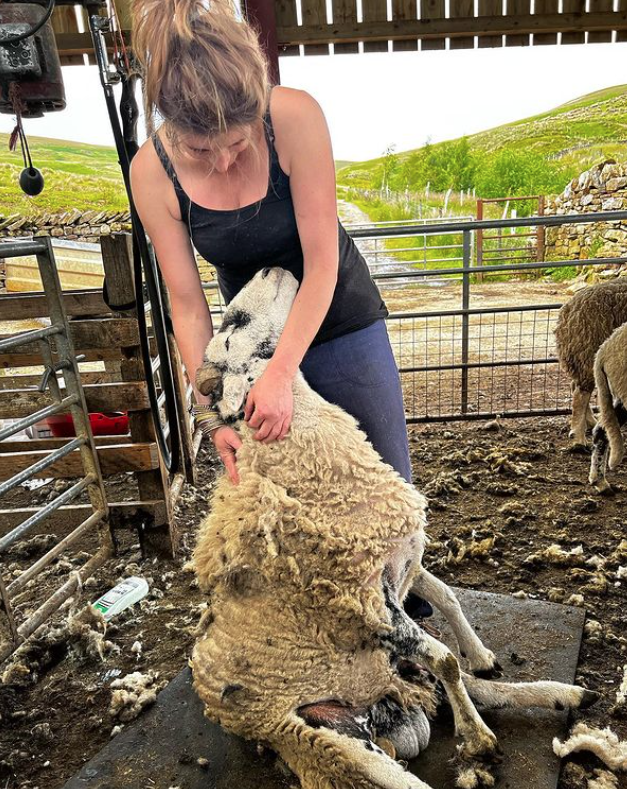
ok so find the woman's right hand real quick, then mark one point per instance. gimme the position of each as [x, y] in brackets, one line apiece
[227, 441]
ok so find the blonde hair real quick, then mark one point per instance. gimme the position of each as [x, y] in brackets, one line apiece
[204, 70]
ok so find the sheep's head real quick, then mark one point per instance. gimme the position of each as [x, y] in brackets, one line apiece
[239, 351]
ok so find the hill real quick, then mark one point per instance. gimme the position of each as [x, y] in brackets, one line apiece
[540, 153]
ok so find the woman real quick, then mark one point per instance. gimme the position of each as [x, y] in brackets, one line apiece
[246, 174]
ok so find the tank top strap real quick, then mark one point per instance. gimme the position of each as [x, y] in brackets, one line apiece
[171, 173]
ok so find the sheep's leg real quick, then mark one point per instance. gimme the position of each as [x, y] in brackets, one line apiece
[600, 453]
[408, 640]
[578, 422]
[617, 446]
[323, 757]
[482, 661]
[590, 417]
[549, 695]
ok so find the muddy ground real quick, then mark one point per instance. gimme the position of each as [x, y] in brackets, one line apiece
[498, 497]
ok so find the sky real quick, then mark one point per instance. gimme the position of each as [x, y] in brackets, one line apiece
[403, 99]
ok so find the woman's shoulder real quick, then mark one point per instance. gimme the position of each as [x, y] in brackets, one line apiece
[291, 112]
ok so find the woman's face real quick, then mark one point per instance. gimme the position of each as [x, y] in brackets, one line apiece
[220, 152]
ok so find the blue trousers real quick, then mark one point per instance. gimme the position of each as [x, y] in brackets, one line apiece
[358, 372]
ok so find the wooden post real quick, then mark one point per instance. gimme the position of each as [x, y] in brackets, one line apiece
[541, 233]
[157, 531]
[260, 13]
[479, 239]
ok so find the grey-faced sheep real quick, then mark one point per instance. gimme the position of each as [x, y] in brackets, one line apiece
[583, 324]
[610, 375]
[306, 562]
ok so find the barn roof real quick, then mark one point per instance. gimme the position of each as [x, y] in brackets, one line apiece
[308, 27]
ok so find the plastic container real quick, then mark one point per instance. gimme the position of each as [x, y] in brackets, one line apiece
[114, 424]
[123, 595]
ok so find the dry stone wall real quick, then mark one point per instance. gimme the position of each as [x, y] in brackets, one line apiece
[602, 188]
[73, 225]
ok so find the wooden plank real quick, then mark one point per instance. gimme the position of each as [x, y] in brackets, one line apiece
[162, 538]
[544, 7]
[16, 403]
[15, 360]
[113, 460]
[462, 9]
[29, 381]
[574, 7]
[435, 29]
[285, 14]
[404, 9]
[314, 12]
[93, 334]
[63, 20]
[518, 8]
[431, 11]
[77, 303]
[490, 8]
[597, 6]
[374, 11]
[345, 11]
[127, 514]
[621, 30]
[46, 444]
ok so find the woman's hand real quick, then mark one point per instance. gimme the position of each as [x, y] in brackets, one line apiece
[270, 405]
[227, 442]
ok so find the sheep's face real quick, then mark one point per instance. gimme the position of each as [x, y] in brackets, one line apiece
[247, 338]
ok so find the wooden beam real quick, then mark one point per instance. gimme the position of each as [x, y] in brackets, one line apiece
[544, 7]
[36, 360]
[15, 404]
[46, 444]
[29, 381]
[490, 8]
[434, 11]
[430, 28]
[96, 334]
[595, 7]
[518, 8]
[16, 306]
[125, 514]
[113, 459]
[462, 9]
[427, 29]
[404, 9]
[575, 7]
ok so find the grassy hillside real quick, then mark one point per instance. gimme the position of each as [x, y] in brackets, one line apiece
[77, 175]
[537, 154]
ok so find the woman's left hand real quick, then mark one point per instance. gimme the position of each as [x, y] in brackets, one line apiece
[270, 405]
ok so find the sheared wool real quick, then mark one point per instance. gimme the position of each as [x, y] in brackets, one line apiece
[601, 742]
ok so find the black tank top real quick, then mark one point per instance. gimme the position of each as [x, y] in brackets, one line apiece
[242, 241]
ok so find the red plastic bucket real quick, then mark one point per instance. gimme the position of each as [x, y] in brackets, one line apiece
[112, 424]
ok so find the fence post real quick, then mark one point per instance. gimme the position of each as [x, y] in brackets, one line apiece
[541, 233]
[479, 239]
[465, 317]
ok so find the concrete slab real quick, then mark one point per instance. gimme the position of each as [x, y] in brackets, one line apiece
[160, 750]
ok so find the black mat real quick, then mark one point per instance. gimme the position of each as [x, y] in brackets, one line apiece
[161, 749]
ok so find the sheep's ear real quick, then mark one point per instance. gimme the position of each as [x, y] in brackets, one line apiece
[234, 392]
[208, 378]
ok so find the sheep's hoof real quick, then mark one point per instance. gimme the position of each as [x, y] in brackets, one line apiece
[578, 448]
[494, 672]
[604, 488]
[483, 748]
[588, 698]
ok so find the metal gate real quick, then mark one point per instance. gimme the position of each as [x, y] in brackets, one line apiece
[60, 359]
[478, 362]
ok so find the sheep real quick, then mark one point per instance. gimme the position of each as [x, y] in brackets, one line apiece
[610, 375]
[306, 646]
[583, 324]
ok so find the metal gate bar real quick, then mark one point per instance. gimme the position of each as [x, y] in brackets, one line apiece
[518, 338]
[84, 443]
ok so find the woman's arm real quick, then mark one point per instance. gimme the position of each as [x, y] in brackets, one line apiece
[306, 155]
[191, 317]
